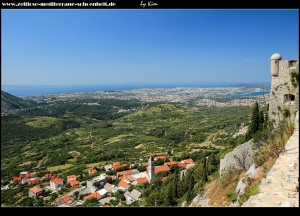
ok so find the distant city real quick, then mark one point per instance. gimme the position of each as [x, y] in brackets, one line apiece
[34, 90]
[217, 97]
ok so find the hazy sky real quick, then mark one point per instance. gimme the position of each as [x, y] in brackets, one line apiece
[81, 47]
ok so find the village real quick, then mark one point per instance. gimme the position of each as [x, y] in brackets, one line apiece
[99, 186]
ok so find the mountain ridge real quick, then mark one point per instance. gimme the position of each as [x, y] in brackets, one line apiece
[10, 102]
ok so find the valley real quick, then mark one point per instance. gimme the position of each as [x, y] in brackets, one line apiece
[72, 137]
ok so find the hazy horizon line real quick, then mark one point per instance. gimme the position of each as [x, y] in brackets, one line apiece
[137, 83]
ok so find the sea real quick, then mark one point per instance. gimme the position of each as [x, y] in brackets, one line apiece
[38, 90]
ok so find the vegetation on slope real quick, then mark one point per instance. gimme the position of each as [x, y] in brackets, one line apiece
[10, 102]
[270, 143]
[175, 130]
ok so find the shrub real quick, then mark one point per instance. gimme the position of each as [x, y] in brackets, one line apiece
[231, 196]
[286, 113]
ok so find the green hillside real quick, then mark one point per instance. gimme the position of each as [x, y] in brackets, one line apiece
[11, 102]
[69, 140]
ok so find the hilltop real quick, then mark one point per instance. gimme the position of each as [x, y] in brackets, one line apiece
[10, 103]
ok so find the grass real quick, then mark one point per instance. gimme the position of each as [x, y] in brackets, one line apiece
[40, 162]
[92, 165]
[117, 138]
[42, 122]
[61, 167]
[25, 163]
[217, 190]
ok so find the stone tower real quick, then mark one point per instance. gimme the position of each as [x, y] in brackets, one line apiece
[151, 167]
[284, 95]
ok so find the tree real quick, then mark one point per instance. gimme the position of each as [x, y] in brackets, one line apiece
[175, 184]
[204, 170]
[213, 160]
[120, 195]
[190, 193]
[141, 168]
[39, 202]
[91, 202]
[53, 196]
[254, 123]
[76, 193]
[130, 188]
[28, 201]
[261, 119]
[114, 202]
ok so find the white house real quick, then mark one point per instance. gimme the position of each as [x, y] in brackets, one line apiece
[56, 183]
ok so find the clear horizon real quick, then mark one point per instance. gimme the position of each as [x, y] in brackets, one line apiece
[110, 47]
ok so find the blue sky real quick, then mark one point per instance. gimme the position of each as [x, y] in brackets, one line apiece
[82, 47]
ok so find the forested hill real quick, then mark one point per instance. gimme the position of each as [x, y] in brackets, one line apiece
[11, 102]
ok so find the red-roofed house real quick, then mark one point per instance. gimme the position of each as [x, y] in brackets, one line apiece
[162, 168]
[24, 178]
[187, 161]
[33, 181]
[73, 182]
[71, 177]
[63, 200]
[116, 165]
[35, 191]
[124, 184]
[49, 176]
[126, 172]
[92, 195]
[158, 169]
[183, 165]
[171, 163]
[56, 183]
[92, 172]
[142, 180]
[102, 193]
[16, 180]
[162, 157]
[30, 175]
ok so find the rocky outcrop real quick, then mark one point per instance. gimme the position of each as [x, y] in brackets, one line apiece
[239, 159]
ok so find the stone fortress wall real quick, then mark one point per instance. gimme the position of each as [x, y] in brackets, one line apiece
[283, 95]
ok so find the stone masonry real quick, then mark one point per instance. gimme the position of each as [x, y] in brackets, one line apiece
[283, 95]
